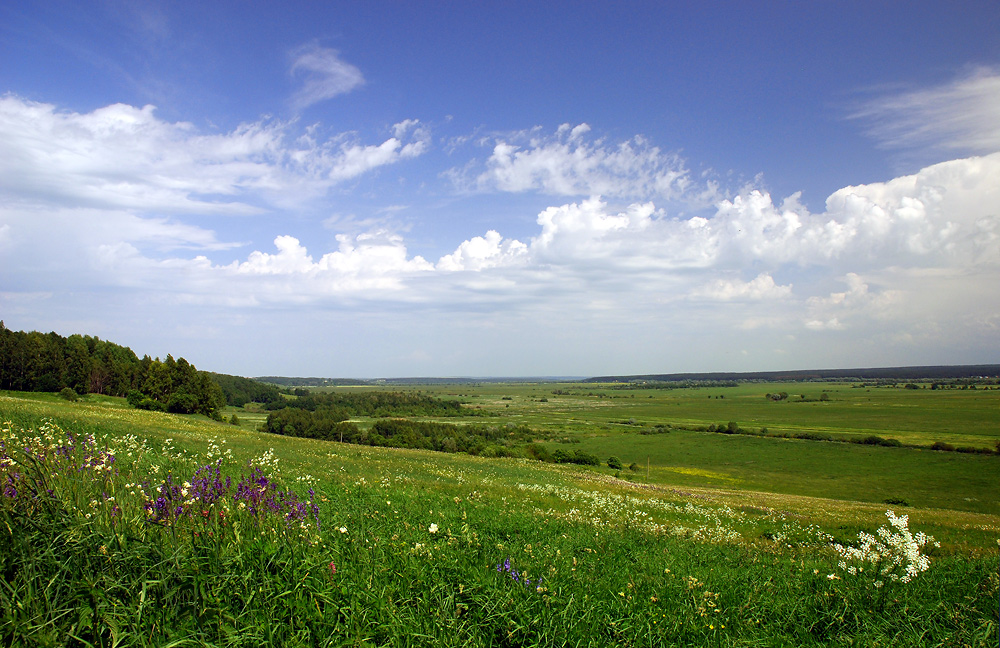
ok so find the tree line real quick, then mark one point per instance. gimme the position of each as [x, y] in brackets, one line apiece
[49, 362]
[331, 424]
[373, 404]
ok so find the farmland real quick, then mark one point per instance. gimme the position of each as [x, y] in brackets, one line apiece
[729, 540]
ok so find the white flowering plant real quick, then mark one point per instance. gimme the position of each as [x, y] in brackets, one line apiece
[893, 554]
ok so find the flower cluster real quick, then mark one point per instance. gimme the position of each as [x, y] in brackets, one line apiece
[23, 456]
[894, 554]
[519, 578]
[206, 491]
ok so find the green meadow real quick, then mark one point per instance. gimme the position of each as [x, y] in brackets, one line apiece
[709, 539]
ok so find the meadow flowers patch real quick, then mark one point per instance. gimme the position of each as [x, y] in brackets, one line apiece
[894, 553]
[521, 578]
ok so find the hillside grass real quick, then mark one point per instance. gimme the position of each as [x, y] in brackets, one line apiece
[436, 549]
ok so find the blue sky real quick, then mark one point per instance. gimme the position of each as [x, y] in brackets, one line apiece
[444, 189]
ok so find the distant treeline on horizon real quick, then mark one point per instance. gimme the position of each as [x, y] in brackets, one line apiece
[943, 372]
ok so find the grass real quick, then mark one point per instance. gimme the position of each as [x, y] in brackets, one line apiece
[920, 417]
[675, 562]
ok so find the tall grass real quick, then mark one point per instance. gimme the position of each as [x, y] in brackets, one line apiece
[120, 541]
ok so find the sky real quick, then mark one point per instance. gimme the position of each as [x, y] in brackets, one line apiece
[389, 189]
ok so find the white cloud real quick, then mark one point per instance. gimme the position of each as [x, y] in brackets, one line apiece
[367, 262]
[103, 204]
[881, 240]
[759, 288]
[325, 75]
[960, 116]
[942, 217]
[356, 159]
[123, 157]
[838, 308]
[482, 252]
[568, 164]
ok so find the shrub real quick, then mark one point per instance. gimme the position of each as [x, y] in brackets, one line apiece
[812, 436]
[182, 404]
[135, 397]
[578, 457]
[150, 404]
[539, 452]
[874, 439]
[942, 446]
[614, 463]
[68, 394]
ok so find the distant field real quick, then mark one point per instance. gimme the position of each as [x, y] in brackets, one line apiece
[607, 421]
[920, 416]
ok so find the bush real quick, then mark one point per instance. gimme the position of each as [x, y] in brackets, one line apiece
[182, 404]
[151, 404]
[539, 452]
[874, 439]
[68, 394]
[614, 463]
[942, 446]
[234, 420]
[812, 436]
[578, 457]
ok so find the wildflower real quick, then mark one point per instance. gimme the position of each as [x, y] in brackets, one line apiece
[343, 529]
[333, 568]
[895, 553]
[433, 528]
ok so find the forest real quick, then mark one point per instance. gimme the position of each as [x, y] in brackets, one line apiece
[84, 364]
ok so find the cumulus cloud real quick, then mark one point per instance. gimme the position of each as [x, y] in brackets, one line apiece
[371, 261]
[569, 163]
[105, 200]
[760, 287]
[324, 75]
[124, 157]
[962, 115]
[482, 252]
[831, 312]
[118, 196]
[600, 258]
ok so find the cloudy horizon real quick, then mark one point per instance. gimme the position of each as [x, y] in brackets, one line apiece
[350, 217]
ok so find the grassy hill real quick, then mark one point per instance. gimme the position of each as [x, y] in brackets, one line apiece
[729, 542]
